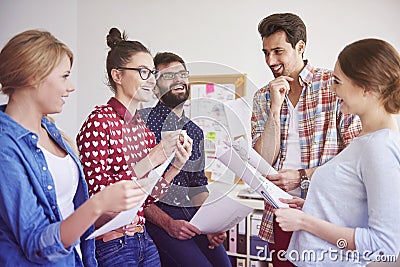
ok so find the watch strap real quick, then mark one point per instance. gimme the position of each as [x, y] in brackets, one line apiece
[303, 177]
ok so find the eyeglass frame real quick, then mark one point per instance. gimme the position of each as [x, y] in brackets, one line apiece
[156, 73]
[179, 74]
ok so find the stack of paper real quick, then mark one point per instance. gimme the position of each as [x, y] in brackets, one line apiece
[246, 163]
[219, 213]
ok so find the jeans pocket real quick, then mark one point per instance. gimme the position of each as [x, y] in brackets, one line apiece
[148, 238]
[107, 250]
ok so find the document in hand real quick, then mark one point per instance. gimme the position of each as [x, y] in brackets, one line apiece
[246, 163]
[127, 216]
[219, 213]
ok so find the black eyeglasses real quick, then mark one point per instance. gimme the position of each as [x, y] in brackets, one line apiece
[143, 72]
[171, 75]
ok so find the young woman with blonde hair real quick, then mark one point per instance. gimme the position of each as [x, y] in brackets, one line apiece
[45, 210]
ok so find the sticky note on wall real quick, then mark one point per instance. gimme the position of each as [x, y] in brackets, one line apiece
[210, 88]
[211, 136]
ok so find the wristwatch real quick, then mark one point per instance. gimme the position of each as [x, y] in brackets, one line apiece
[304, 183]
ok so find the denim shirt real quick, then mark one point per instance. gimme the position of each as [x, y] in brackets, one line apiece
[29, 215]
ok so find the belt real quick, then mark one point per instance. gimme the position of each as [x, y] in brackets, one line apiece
[114, 234]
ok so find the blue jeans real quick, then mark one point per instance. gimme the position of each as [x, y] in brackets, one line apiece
[138, 250]
[182, 253]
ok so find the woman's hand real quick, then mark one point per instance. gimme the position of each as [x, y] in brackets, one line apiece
[289, 219]
[129, 228]
[120, 196]
[164, 149]
[295, 202]
[183, 152]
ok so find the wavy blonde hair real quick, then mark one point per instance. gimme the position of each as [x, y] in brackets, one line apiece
[28, 58]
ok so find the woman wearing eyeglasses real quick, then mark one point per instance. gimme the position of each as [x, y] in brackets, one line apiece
[115, 144]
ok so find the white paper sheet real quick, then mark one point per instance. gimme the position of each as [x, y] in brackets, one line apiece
[238, 114]
[248, 154]
[249, 174]
[219, 213]
[126, 217]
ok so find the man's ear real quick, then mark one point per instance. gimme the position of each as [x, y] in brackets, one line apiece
[116, 76]
[300, 46]
[156, 91]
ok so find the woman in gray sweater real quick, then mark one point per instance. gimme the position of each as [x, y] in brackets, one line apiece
[352, 212]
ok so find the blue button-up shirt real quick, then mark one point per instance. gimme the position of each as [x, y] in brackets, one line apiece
[191, 180]
[29, 215]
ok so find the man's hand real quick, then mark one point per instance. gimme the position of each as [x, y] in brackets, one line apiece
[278, 88]
[216, 239]
[287, 180]
[181, 229]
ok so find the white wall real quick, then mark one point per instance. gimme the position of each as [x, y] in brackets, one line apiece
[223, 32]
[58, 17]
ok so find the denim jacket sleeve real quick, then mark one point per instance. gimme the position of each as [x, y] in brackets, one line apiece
[28, 208]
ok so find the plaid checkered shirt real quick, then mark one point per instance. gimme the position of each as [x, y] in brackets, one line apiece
[323, 130]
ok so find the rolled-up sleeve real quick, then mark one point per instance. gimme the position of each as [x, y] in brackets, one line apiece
[50, 245]
[26, 216]
[259, 114]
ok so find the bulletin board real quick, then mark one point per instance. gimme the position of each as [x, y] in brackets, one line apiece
[206, 107]
[239, 80]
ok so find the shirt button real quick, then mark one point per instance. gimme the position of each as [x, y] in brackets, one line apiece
[49, 187]
[38, 150]
[33, 136]
[44, 168]
[53, 207]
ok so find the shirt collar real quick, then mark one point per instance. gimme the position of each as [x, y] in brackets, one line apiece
[306, 75]
[7, 124]
[121, 110]
[165, 112]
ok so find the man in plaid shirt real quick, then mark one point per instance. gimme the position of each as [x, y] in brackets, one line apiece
[296, 122]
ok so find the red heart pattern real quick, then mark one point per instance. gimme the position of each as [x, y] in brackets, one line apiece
[109, 146]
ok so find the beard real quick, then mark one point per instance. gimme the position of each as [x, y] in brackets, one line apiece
[172, 100]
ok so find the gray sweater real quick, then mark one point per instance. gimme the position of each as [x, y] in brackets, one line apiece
[359, 188]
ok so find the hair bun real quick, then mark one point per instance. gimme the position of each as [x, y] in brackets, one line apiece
[114, 37]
